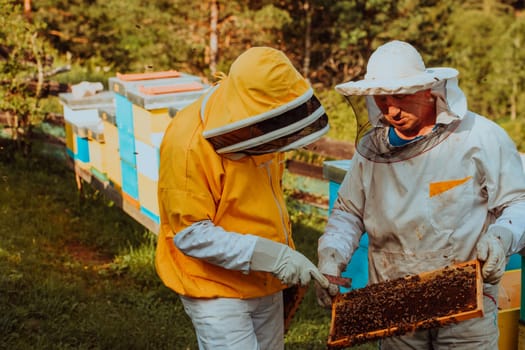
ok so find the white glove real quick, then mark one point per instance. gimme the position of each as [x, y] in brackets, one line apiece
[288, 265]
[330, 263]
[492, 250]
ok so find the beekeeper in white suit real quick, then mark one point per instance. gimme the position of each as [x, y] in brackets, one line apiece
[225, 243]
[432, 184]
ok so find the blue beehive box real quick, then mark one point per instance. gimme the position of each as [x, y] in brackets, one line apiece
[130, 183]
[82, 149]
[122, 85]
[151, 215]
[334, 171]
[127, 145]
[123, 114]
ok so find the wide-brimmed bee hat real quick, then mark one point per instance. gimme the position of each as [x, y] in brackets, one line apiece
[397, 68]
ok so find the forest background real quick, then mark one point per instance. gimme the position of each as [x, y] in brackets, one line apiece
[48, 42]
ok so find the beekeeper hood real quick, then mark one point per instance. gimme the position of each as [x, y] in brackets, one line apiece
[397, 68]
[264, 105]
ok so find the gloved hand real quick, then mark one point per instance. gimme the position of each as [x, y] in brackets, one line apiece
[288, 265]
[330, 263]
[492, 250]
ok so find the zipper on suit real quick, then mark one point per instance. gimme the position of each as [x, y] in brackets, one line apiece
[276, 198]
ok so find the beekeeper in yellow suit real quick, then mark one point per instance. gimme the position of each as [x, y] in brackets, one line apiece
[225, 243]
[432, 184]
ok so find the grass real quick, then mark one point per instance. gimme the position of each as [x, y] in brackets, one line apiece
[77, 273]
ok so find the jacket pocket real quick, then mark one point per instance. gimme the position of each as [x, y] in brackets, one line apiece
[450, 203]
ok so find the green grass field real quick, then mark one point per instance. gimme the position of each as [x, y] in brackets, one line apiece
[76, 272]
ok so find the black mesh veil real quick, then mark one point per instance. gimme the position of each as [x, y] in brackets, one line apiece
[375, 146]
[274, 132]
[372, 141]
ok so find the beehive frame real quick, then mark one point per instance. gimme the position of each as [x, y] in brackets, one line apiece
[457, 313]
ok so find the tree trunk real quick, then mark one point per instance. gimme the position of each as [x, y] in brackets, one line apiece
[27, 7]
[214, 17]
[307, 38]
[27, 10]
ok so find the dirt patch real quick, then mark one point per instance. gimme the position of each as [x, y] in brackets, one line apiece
[87, 255]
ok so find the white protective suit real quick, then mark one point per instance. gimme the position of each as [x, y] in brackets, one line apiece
[426, 204]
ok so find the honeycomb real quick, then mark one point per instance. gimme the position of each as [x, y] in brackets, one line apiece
[398, 306]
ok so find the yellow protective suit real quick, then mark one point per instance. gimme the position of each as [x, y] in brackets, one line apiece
[236, 194]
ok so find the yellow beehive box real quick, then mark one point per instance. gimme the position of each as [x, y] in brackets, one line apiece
[113, 170]
[110, 135]
[95, 136]
[70, 139]
[148, 194]
[79, 114]
[509, 304]
[148, 122]
[97, 155]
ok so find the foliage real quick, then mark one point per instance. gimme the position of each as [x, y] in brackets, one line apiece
[138, 262]
[24, 61]
[340, 114]
[131, 36]
[347, 36]
[330, 41]
[424, 23]
[508, 80]
[243, 27]
[478, 33]
[516, 130]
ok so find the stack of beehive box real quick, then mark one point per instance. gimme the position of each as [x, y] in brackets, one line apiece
[84, 129]
[142, 103]
[115, 135]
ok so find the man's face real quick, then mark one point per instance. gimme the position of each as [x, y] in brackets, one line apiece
[410, 114]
